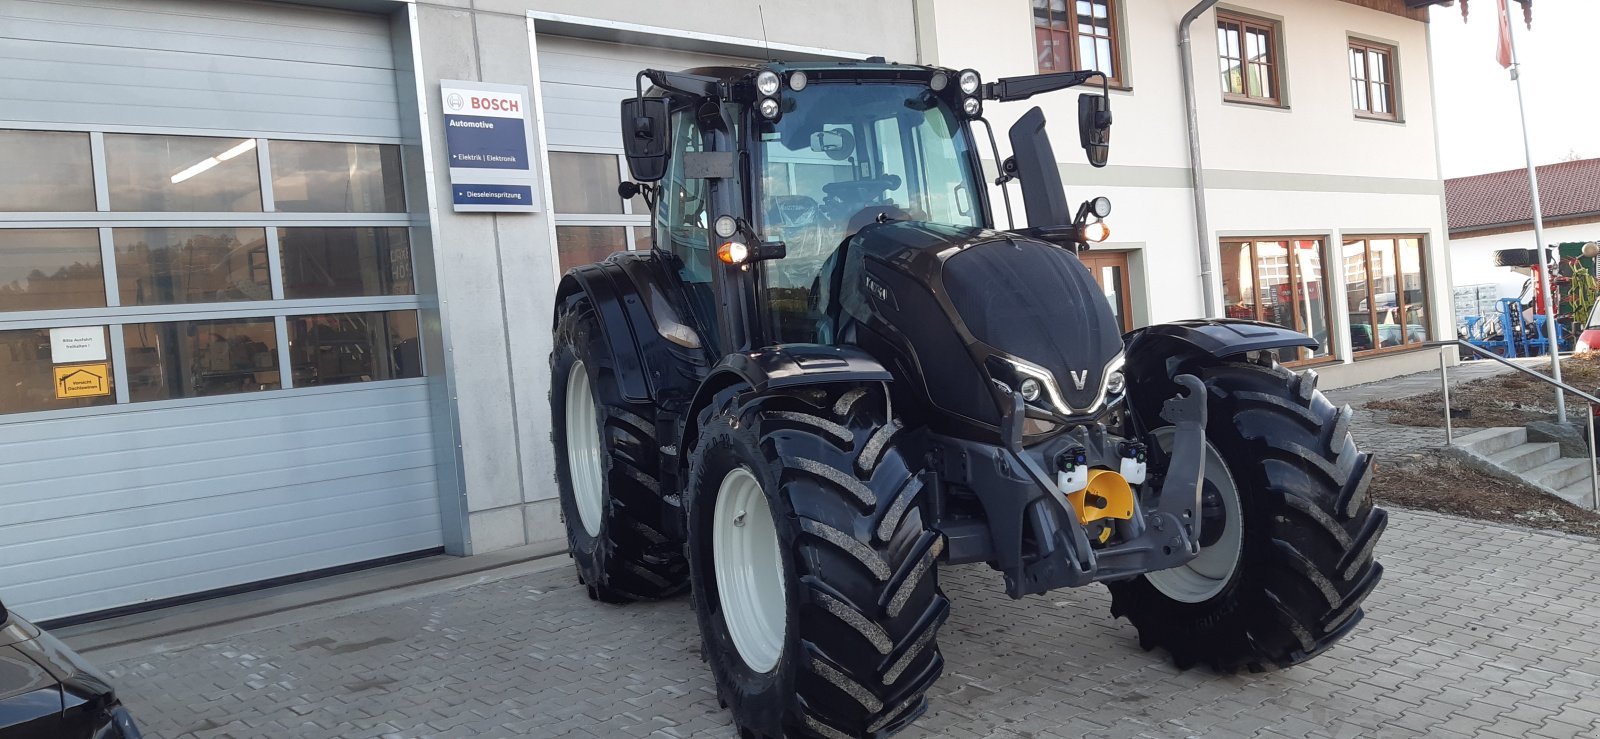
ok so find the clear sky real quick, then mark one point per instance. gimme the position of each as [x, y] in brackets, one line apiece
[1560, 56]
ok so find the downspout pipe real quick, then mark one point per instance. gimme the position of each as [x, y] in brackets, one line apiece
[1197, 177]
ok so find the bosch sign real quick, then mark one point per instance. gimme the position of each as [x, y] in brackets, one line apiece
[495, 104]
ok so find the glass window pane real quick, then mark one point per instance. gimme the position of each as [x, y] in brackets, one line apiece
[585, 183]
[45, 171]
[326, 177]
[580, 245]
[1272, 273]
[1415, 292]
[1358, 93]
[1379, 62]
[1309, 295]
[1238, 282]
[187, 359]
[345, 261]
[182, 174]
[50, 268]
[31, 377]
[1041, 13]
[162, 266]
[337, 348]
[1358, 66]
[1357, 290]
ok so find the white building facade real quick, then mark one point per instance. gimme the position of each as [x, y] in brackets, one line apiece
[246, 336]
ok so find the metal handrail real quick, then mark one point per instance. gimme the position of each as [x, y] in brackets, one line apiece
[1449, 430]
[1485, 353]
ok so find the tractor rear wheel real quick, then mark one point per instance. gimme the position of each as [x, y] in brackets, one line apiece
[1287, 530]
[607, 470]
[814, 569]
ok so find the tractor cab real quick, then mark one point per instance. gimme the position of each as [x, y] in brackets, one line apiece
[770, 169]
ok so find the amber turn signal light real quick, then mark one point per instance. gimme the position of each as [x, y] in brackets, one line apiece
[1096, 232]
[733, 252]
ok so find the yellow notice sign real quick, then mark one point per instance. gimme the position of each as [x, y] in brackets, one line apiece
[82, 381]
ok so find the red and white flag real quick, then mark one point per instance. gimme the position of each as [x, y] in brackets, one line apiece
[1503, 54]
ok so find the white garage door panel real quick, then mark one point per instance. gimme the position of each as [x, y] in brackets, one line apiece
[583, 81]
[156, 503]
[241, 67]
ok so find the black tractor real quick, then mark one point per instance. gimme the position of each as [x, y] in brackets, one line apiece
[835, 373]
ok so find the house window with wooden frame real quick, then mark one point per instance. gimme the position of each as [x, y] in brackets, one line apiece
[1279, 280]
[1247, 51]
[1372, 80]
[1386, 293]
[1077, 34]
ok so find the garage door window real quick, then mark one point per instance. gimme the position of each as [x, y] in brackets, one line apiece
[325, 177]
[592, 220]
[50, 268]
[35, 382]
[166, 266]
[45, 171]
[210, 265]
[182, 174]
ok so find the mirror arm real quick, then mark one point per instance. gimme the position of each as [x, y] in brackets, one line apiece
[1008, 89]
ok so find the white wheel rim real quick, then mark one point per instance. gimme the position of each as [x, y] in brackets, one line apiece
[749, 568]
[1208, 573]
[583, 450]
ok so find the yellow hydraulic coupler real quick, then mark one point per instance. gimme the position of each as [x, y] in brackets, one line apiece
[1107, 495]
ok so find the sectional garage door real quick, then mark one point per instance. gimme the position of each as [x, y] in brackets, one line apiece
[581, 82]
[208, 318]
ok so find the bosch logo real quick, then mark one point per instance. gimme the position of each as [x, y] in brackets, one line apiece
[496, 104]
[455, 101]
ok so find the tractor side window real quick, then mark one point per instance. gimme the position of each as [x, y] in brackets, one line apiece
[681, 220]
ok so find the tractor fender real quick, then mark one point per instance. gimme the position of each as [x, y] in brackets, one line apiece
[1219, 337]
[781, 366]
[659, 355]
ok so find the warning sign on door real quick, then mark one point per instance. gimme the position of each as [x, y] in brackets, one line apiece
[82, 381]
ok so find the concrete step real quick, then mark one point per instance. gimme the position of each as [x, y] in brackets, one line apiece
[1578, 494]
[1488, 441]
[1561, 473]
[1525, 457]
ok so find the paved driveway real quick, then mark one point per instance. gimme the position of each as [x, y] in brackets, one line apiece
[1477, 630]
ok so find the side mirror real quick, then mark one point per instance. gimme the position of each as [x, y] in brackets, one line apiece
[1094, 127]
[645, 136]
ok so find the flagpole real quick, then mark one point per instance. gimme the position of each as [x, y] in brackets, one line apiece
[1550, 302]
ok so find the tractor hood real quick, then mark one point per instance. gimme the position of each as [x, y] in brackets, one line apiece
[973, 306]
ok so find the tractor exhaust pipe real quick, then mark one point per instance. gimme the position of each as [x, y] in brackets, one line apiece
[1196, 172]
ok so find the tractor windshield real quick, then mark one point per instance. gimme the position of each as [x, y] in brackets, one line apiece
[843, 153]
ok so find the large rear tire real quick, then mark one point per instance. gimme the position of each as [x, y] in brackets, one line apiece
[1287, 530]
[607, 471]
[814, 570]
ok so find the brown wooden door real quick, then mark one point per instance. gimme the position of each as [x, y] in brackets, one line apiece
[1110, 270]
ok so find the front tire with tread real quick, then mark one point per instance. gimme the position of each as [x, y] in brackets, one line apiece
[1309, 528]
[859, 560]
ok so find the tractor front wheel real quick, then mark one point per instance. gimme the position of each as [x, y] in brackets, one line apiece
[813, 568]
[1287, 529]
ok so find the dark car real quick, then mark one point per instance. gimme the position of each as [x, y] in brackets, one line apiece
[47, 691]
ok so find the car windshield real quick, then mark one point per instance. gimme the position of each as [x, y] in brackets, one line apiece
[842, 154]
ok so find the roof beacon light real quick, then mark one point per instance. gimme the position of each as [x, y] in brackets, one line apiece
[767, 83]
[733, 252]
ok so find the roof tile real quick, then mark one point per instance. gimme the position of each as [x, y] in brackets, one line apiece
[1501, 198]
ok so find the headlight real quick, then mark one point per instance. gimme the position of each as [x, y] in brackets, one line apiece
[767, 83]
[768, 108]
[797, 80]
[1030, 389]
[968, 81]
[1115, 382]
[938, 81]
[971, 107]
